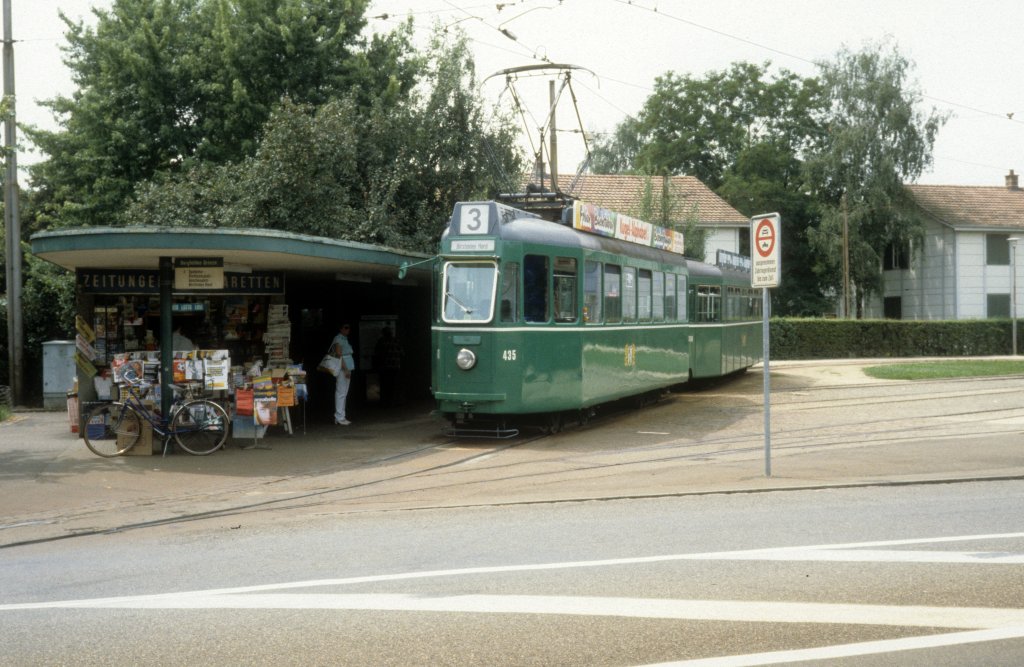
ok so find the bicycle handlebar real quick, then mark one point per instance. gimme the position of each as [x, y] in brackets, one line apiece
[131, 376]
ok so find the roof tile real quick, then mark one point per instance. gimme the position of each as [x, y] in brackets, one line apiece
[968, 206]
[623, 193]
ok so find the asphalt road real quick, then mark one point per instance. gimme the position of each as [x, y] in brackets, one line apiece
[890, 532]
[922, 575]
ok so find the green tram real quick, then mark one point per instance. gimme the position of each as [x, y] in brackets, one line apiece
[537, 322]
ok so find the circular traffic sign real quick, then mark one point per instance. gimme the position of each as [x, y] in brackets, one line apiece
[764, 237]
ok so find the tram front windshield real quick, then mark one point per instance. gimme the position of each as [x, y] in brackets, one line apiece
[469, 291]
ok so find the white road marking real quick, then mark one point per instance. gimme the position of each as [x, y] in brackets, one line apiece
[986, 624]
[850, 650]
[822, 553]
[714, 610]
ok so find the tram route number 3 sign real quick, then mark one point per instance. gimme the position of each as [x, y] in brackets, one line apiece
[766, 260]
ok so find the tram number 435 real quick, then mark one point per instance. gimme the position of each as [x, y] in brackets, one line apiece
[629, 358]
[508, 355]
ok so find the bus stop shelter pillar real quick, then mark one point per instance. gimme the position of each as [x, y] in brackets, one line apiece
[166, 334]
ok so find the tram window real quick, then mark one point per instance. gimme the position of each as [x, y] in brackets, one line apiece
[469, 291]
[592, 292]
[643, 295]
[681, 311]
[628, 294]
[564, 288]
[535, 288]
[709, 303]
[670, 297]
[658, 296]
[612, 293]
[509, 292]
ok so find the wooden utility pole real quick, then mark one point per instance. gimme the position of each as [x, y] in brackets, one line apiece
[554, 137]
[12, 223]
[846, 261]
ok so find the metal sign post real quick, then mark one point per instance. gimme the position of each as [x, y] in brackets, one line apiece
[766, 304]
[766, 267]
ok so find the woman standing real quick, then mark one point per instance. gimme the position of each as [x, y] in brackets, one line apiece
[342, 348]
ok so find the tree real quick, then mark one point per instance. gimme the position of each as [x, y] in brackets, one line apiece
[387, 173]
[877, 139]
[743, 133]
[48, 313]
[164, 82]
[662, 205]
[767, 177]
[699, 127]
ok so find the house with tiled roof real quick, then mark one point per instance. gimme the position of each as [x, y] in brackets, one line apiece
[963, 270]
[727, 228]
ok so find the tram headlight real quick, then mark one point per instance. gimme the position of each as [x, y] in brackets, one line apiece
[465, 359]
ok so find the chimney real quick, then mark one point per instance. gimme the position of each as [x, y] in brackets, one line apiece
[1011, 181]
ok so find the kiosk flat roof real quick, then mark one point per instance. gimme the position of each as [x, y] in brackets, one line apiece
[142, 248]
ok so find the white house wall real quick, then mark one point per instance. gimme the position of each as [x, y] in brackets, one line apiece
[970, 265]
[950, 278]
[937, 294]
[720, 238]
[928, 289]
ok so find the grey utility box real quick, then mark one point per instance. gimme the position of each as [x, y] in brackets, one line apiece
[58, 373]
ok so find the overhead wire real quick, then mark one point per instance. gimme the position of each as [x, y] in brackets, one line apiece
[635, 4]
[766, 47]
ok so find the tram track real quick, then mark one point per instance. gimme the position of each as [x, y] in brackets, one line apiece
[443, 468]
[176, 504]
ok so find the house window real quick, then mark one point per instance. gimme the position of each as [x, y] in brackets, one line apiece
[897, 256]
[998, 305]
[997, 250]
[892, 308]
[744, 248]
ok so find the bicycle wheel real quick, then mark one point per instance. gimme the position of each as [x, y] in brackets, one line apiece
[111, 429]
[200, 427]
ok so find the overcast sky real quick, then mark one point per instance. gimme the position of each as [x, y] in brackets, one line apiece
[967, 58]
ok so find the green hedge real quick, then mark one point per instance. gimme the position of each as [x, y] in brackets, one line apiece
[800, 338]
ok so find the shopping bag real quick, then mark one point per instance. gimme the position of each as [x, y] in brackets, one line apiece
[330, 365]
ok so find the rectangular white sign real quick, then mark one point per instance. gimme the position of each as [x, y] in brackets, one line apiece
[766, 259]
[473, 246]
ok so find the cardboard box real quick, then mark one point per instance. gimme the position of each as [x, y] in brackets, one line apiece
[144, 445]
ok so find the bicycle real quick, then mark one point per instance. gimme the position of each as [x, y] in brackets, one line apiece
[198, 425]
